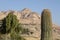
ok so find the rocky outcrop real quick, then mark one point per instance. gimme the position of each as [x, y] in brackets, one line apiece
[32, 21]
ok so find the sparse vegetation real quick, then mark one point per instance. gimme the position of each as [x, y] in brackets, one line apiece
[26, 25]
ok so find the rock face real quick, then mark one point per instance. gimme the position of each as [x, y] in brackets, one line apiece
[32, 21]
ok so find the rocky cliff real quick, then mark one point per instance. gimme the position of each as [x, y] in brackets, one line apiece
[32, 21]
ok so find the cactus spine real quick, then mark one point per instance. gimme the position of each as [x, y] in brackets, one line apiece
[46, 25]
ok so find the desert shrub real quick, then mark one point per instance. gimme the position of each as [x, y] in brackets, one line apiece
[15, 36]
[11, 26]
[3, 27]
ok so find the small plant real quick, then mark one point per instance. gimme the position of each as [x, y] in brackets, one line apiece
[15, 36]
[25, 31]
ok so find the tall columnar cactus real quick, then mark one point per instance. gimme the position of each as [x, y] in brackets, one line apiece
[46, 25]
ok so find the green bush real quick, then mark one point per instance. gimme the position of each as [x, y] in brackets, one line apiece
[11, 26]
[3, 26]
[15, 36]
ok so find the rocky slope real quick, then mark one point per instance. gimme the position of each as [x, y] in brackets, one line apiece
[32, 21]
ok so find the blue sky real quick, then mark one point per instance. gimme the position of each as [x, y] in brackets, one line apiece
[34, 5]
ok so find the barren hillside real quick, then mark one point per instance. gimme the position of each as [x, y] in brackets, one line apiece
[32, 21]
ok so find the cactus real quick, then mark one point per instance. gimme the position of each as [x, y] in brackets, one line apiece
[46, 25]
